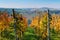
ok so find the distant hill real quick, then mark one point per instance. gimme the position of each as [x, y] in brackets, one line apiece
[30, 12]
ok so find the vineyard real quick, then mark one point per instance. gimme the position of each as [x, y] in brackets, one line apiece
[40, 25]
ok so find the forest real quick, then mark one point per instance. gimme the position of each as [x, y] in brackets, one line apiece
[40, 26]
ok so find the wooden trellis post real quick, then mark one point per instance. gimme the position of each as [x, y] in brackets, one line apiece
[15, 24]
[48, 26]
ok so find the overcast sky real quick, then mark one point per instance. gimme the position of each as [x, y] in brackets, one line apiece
[29, 3]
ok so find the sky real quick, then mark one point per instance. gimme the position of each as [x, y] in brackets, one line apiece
[29, 3]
